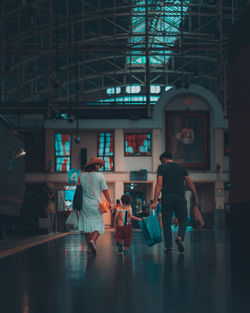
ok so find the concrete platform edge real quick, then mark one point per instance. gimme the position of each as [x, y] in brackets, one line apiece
[25, 246]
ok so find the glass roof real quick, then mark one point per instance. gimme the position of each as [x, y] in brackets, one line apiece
[164, 23]
[165, 20]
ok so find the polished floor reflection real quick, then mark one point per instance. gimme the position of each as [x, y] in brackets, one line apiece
[60, 277]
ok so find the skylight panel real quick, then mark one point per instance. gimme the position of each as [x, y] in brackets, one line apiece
[165, 18]
[133, 89]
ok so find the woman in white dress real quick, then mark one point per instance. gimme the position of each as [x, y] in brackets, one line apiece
[91, 221]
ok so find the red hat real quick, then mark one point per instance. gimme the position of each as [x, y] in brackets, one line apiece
[95, 161]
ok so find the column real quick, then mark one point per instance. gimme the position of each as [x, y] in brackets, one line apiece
[239, 134]
[219, 204]
[219, 148]
[156, 148]
[49, 150]
[119, 189]
[119, 150]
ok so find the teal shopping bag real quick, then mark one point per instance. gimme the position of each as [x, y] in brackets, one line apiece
[151, 229]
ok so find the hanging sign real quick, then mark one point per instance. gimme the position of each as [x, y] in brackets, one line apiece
[73, 175]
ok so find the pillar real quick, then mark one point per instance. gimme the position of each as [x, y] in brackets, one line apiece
[119, 189]
[219, 204]
[119, 150]
[156, 148]
[239, 134]
[49, 150]
[219, 148]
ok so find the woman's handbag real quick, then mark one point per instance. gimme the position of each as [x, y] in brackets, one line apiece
[102, 206]
[72, 221]
[77, 200]
[198, 220]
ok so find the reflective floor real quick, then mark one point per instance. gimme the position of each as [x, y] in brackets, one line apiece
[59, 277]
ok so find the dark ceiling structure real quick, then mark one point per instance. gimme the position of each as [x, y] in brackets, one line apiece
[105, 58]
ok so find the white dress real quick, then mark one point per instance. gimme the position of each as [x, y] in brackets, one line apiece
[90, 218]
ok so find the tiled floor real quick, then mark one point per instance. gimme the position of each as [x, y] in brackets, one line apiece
[59, 277]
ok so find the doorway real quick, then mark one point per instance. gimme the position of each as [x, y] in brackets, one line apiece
[140, 192]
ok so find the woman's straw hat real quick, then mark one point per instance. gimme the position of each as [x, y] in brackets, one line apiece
[95, 161]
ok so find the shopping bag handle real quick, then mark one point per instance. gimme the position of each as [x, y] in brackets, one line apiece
[153, 211]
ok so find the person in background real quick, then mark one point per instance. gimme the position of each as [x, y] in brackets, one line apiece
[146, 211]
[51, 211]
[91, 221]
[170, 181]
[137, 212]
[158, 212]
[61, 212]
[138, 208]
[122, 223]
[117, 204]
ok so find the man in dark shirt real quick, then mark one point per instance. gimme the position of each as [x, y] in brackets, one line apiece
[170, 181]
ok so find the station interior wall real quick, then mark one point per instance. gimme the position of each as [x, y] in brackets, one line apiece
[211, 179]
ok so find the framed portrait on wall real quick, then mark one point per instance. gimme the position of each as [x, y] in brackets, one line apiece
[187, 138]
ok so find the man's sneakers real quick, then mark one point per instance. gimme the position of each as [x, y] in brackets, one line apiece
[168, 250]
[180, 245]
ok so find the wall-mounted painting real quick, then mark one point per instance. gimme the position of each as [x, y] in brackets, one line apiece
[187, 138]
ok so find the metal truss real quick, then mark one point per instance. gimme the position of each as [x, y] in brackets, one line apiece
[62, 55]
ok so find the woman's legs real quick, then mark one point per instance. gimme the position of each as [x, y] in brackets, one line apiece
[91, 240]
[87, 237]
[93, 237]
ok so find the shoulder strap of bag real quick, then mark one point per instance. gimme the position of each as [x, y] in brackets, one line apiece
[78, 181]
[126, 218]
[93, 188]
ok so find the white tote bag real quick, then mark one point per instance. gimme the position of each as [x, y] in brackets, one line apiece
[72, 221]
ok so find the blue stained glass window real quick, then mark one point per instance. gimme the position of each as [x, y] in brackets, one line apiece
[62, 164]
[105, 150]
[137, 144]
[62, 152]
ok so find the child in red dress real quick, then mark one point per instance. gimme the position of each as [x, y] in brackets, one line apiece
[122, 223]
